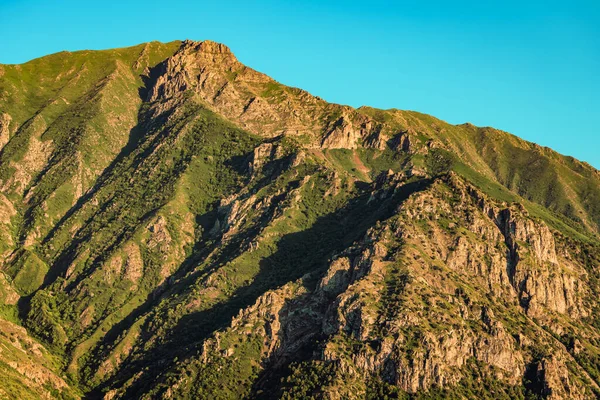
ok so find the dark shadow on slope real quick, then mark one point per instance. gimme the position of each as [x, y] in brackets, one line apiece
[151, 78]
[136, 135]
[534, 380]
[148, 196]
[187, 273]
[296, 254]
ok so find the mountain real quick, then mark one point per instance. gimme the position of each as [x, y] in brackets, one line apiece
[175, 224]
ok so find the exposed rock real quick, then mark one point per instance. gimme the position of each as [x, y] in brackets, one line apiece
[159, 235]
[337, 277]
[262, 154]
[341, 135]
[553, 377]
[400, 142]
[256, 102]
[5, 120]
[133, 265]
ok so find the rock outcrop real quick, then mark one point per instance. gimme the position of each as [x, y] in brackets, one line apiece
[258, 103]
[397, 306]
[4, 129]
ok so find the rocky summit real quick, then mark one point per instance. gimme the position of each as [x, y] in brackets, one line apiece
[175, 224]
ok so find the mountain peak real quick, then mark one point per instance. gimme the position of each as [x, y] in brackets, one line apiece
[206, 46]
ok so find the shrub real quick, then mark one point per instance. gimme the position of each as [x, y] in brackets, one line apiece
[438, 162]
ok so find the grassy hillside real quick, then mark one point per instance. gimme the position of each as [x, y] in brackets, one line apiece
[558, 183]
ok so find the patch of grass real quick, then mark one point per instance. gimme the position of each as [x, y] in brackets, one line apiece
[272, 90]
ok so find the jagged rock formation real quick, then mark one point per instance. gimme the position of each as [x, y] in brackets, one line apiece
[175, 224]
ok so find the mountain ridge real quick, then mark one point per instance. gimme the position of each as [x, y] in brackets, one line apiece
[228, 50]
[342, 126]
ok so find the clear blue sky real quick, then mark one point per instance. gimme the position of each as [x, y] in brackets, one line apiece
[528, 67]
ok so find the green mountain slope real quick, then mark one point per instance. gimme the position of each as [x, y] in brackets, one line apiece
[175, 224]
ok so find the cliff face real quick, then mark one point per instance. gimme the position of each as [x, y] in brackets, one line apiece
[422, 299]
[259, 104]
[175, 224]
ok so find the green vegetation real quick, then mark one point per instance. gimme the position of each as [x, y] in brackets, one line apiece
[438, 162]
[477, 384]
[156, 252]
[27, 272]
[273, 91]
[396, 280]
[307, 380]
